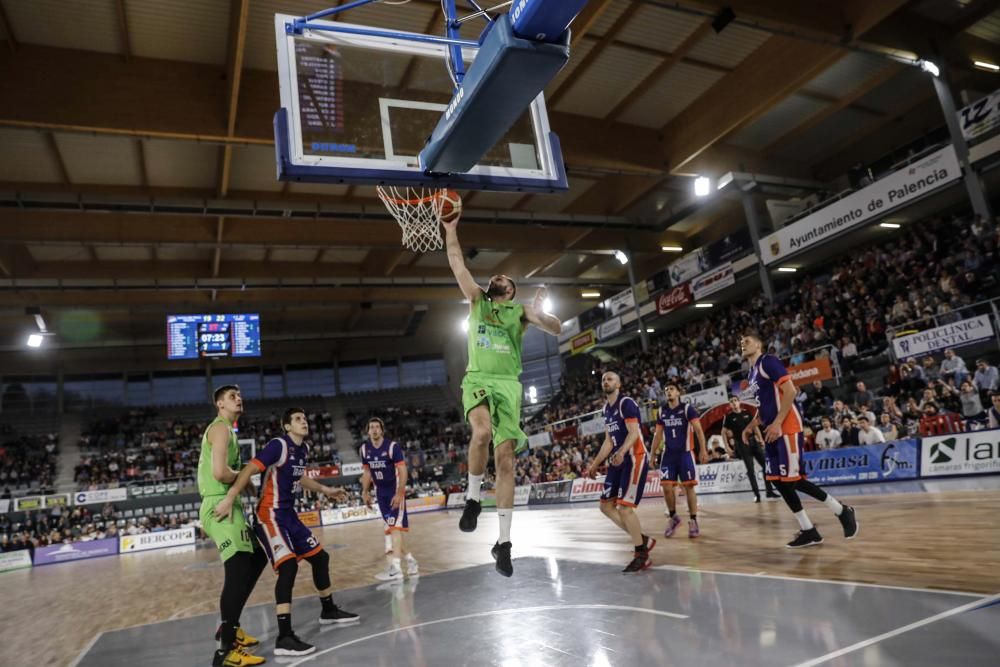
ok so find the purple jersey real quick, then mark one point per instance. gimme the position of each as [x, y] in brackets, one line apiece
[766, 377]
[617, 416]
[283, 464]
[678, 433]
[381, 463]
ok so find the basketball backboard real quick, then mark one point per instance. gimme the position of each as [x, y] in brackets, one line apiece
[358, 107]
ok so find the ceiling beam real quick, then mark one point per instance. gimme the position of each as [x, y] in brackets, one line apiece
[777, 68]
[552, 100]
[140, 158]
[614, 194]
[56, 154]
[437, 18]
[874, 81]
[238, 12]
[16, 261]
[589, 263]
[668, 64]
[971, 14]
[381, 262]
[217, 257]
[123, 30]
[586, 19]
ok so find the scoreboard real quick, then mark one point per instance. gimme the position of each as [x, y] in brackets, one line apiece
[194, 336]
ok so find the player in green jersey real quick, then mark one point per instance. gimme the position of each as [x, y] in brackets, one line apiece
[242, 557]
[491, 390]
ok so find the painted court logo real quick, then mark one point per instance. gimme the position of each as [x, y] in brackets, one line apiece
[943, 452]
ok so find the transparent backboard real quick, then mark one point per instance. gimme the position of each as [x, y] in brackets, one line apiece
[359, 109]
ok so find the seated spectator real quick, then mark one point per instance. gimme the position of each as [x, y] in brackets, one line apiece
[932, 372]
[862, 396]
[939, 423]
[911, 376]
[848, 351]
[994, 411]
[848, 433]
[888, 428]
[987, 379]
[972, 405]
[891, 381]
[868, 434]
[828, 437]
[953, 368]
[841, 412]
[865, 410]
[821, 394]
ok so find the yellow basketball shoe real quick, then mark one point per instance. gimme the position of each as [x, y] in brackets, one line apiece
[236, 658]
[245, 641]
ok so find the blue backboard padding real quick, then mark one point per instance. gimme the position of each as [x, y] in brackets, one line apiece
[507, 74]
[544, 20]
[288, 171]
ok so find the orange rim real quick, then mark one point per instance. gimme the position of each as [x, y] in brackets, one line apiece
[413, 202]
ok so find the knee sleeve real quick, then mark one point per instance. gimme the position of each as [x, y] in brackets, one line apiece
[321, 569]
[787, 491]
[286, 581]
[811, 490]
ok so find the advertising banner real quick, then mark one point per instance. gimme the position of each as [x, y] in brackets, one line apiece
[729, 248]
[870, 463]
[160, 540]
[540, 439]
[980, 117]
[351, 469]
[456, 499]
[610, 328]
[820, 369]
[4, 505]
[872, 202]
[28, 503]
[593, 426]
[726, 477]
[425, 503]
[570, 328]
[621, 302]
[521, 495]
[15, 560]
[586, 489]
[706, 398]
[975, 453]
[56, 500]
[61, 553]
[687, 267]
[310, 519]
[582, 342]
[323, 472]
[550, 493]
[101, 496]
[349, 515]
[957, 334]
[715, 280]
[674, 298]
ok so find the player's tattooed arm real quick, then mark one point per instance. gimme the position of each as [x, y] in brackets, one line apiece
[456, 260]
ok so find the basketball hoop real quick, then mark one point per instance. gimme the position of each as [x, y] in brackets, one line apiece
[418, 212]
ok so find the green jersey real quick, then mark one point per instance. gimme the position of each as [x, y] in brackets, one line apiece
[495, 333]
[207, 484]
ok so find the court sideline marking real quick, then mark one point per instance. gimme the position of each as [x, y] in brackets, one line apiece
[493, 612]
[983, 601]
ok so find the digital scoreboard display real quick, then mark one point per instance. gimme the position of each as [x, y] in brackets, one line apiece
[194, 336]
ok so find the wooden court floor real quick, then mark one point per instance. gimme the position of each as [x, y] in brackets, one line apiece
[948, 540]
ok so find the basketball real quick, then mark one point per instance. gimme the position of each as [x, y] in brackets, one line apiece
[451, 206]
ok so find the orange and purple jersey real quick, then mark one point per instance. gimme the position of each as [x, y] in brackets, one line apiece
[283, 464]
[677, 425]
[766, 377]
[381, 463]
[617, 416]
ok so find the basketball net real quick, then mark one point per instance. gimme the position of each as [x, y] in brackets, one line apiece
[418, 212]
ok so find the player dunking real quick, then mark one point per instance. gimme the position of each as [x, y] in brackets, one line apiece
[627, 468]
[770, 382]
[285, 538]
[676, 428]
[242, 557]
[383, 463]
[491, 390]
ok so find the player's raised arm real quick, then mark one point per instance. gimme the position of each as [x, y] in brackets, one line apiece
[534, 314]
[456, 261]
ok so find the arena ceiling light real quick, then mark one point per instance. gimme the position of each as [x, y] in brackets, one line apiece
[35, 340]
[671, 248]
[703, 305]
[889, 225]
[702, 186]
[589, 294]
[464, 324]
[989, 67]
[787, 269]
[928, 66]
[533, 394]
[621, 257]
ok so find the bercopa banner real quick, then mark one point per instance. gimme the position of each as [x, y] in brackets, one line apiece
[966, 332]
[876, 200]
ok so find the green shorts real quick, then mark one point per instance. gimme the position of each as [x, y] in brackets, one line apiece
[229, 535]
[503, 397]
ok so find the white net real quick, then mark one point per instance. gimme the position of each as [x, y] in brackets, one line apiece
[418, 212]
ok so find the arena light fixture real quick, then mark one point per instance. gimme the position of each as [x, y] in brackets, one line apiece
[465, 324]
[621, 257]
[35, 340]
[703, 305]
[590, 294]
[547, 305]
[533, 394]
[671, 248]
[702, 186]
[989, 67]
[787, 269]
[928, 66]
[725, 180]
[889, 225]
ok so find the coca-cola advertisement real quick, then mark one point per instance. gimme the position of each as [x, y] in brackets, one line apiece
[674, 298]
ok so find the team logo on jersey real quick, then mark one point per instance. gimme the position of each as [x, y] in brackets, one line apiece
[483, 342]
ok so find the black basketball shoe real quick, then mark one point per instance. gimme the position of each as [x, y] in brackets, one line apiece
[470, 516]
[640, 562]
[292, 645]
[806, 538]
[501, 554]
[849, 520]
[337, 615]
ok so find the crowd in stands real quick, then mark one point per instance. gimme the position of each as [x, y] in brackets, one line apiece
[563, 460]
[927, 277]
[141, 446]
[27, 462]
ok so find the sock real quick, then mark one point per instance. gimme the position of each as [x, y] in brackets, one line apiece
[694, 517]
[640, 549]
[327, 602]
[475, 487]
[284, 625]
[388, 543]
[505, 515]
[803, 519]
[673, 513]
[834, 504]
